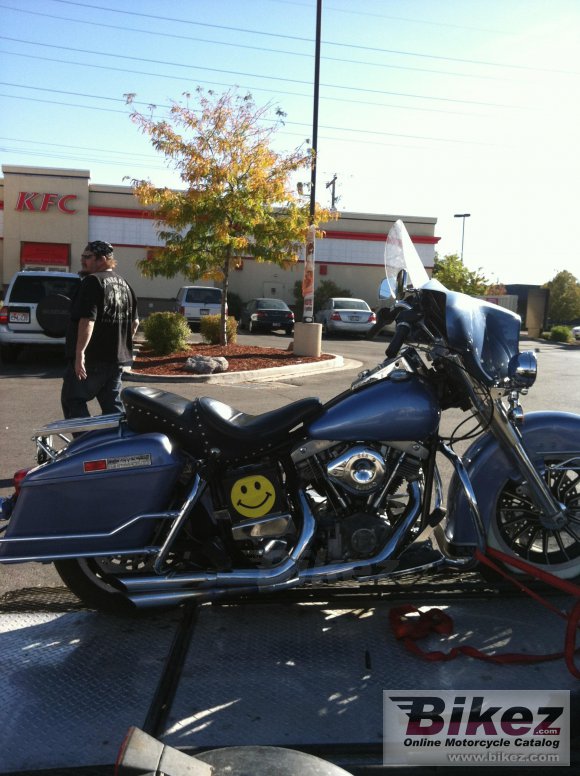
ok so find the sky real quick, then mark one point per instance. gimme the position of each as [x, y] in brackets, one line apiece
[426, 107]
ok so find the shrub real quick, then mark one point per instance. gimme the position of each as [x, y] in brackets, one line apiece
[561, 333]
[166, 333]
[209, 328]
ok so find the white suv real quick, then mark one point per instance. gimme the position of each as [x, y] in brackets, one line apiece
[196, 301]
[36, 311]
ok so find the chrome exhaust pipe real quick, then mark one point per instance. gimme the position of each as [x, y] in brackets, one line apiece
[176, 597]
[150, 592]
[231, 579]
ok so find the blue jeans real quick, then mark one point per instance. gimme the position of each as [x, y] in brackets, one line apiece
[103, 383]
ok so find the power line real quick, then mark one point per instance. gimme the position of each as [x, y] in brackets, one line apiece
[310, 40]
[391, 17]
[286, 122]
[366, 63]
[446, 110]
[256, 75]
[145, 157]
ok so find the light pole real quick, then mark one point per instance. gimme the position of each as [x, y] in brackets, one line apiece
[463, 216]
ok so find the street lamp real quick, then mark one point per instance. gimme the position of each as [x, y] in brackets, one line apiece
[463, 216]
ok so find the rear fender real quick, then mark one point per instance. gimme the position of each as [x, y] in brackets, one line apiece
[488, 468]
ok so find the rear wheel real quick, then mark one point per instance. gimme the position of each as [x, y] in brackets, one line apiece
[89, 579]
[516, 528]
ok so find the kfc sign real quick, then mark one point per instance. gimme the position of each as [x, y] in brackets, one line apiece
[40, 203]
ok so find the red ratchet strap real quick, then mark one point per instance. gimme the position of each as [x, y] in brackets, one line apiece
[409, 628]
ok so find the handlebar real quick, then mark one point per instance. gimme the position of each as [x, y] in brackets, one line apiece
[399, 337]
[405, 323]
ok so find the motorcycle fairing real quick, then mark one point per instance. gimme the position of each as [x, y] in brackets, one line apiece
[486, 335]
[399, 408]
[117, 476]
[489, 468]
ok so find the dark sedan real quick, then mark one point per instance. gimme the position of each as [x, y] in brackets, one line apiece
[267, 314]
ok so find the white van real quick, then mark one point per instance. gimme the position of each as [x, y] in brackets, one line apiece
[36, 311]
[196, 301]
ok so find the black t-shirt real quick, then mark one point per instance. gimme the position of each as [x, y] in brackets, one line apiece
[107, 299]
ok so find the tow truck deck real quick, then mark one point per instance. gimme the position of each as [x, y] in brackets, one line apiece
[303, 670]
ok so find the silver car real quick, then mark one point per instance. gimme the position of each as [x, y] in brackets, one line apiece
[576, 332]
[345, 316]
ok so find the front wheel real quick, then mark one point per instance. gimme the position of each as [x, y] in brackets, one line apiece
[88, 579]
[516, 528]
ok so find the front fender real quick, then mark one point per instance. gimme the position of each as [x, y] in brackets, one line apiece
[488, 468]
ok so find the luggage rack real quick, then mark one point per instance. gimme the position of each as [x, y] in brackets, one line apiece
[44, 436]
[79, 425]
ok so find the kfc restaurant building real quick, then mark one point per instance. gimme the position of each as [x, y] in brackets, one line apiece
[48, 215]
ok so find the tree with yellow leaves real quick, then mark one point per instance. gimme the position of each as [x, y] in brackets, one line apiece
[238, 200]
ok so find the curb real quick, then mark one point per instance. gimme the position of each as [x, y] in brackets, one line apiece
[336, 363]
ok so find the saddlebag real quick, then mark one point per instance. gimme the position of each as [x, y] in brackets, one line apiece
[99, 497]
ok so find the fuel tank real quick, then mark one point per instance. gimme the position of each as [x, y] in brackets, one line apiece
[94, 498]
[401, 407]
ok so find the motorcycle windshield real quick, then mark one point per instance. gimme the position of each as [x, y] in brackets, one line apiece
[486, 335]
[400, 253]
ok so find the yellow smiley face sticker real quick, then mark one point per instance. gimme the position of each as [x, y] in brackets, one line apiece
[253, 496]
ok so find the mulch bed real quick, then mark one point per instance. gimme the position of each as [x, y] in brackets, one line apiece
[240, 359]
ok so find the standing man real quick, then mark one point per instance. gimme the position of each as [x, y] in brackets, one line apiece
[99, 339]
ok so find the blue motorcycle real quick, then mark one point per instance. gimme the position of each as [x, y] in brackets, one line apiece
[178, 500]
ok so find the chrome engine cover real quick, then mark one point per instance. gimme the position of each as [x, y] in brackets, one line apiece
[359, 470]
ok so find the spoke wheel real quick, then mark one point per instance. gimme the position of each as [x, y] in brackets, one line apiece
[517, 528]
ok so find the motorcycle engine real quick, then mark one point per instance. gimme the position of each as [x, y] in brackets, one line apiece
[358, 492]
[358, 470]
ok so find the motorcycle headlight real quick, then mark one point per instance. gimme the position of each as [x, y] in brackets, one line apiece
[523, 369]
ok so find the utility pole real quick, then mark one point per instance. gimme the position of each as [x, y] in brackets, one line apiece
[332, 185]
[315, 110]
[309, 259]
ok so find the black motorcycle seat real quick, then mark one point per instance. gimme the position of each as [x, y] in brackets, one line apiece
[206, 423]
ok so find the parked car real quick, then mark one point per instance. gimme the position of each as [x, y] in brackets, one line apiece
[36, 311]
[345, 316]
[196, 301]
[266, 314]
[576, 332]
